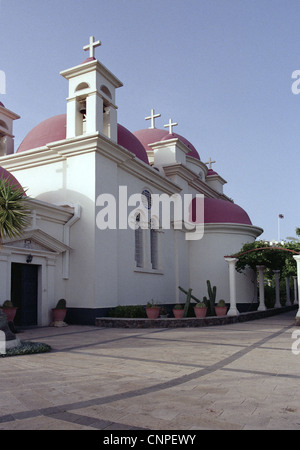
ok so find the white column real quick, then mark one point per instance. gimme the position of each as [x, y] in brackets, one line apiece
[113, 124]
[94, 113]
[277, 289]
[295, 290]
[297, 258]
[233, 311]
[287, 287]
[71, 118]
[262, 306]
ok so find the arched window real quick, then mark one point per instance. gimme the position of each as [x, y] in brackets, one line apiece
[105, 91]
[3, 125]
[146, 199]
[81, 86]
[147, 236]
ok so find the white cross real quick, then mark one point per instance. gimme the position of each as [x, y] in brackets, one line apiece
[91, 46]
[210, 162]
[152, 117]
[170, 125]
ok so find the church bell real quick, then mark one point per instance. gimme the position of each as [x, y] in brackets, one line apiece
[82, 108]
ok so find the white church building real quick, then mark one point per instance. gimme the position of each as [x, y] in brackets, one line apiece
[89, 241]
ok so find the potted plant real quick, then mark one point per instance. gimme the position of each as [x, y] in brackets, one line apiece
[221, 308]
[178, 311]
[10, 310]
[59, 312]
[200, 309]
[152, 310]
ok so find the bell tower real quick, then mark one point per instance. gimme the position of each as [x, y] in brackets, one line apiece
[6, 130]
[91, 103]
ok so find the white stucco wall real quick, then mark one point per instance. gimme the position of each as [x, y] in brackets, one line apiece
[207, 261]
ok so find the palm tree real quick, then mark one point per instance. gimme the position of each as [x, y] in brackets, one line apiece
[14, 217]
[13, 212]
[294, 238]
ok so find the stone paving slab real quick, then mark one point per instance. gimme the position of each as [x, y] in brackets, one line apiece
[234, 377]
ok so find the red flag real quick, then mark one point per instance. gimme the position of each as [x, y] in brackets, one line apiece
[281, 216]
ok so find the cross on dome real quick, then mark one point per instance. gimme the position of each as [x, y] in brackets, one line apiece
[91, 46]
[210, 162]
[152, 117]
[170, 125]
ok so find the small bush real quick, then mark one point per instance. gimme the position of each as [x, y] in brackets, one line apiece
[270, 297]
[128, 311]
[27, 348]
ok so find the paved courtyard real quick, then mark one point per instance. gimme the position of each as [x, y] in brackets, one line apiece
[237, 376]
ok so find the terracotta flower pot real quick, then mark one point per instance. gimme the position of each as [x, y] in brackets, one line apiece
[153, 313]
[10, 313]
[221, 310]
[59, 314]
[200, 312]
[178, 313]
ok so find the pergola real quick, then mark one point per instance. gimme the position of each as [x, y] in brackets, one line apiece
[232, 260]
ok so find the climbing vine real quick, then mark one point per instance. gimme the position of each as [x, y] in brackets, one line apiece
[272, 256]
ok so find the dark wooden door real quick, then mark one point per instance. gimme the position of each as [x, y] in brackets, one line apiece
[24, 290]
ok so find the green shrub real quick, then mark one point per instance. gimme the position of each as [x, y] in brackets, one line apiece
[270, 296]
[128, 311]
[27, 348]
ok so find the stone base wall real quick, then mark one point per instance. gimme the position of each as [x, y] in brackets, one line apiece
[112, 322]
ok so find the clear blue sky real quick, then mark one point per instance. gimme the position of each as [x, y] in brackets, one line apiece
[220, 68]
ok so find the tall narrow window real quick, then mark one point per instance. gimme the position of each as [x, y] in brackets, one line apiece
[138, 243]
[154, 248]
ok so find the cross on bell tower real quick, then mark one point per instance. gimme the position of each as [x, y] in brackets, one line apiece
[91, 46]
[91, 103]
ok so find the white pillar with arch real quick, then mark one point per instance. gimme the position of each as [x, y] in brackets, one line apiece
[233, 311]
[261, 280]
[297, 258]
[295, 290]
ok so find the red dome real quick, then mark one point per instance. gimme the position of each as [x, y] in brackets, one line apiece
[221, 211]
[50, 130]
[131, 143]
[211, 172]
[54, 129]
[151, 135]
[6, 175]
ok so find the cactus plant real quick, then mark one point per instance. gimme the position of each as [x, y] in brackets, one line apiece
[200, 305]
[221, 308]
[59, 312]
[7, 304]
[200, 309]
[212, 292]
[61, 304]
